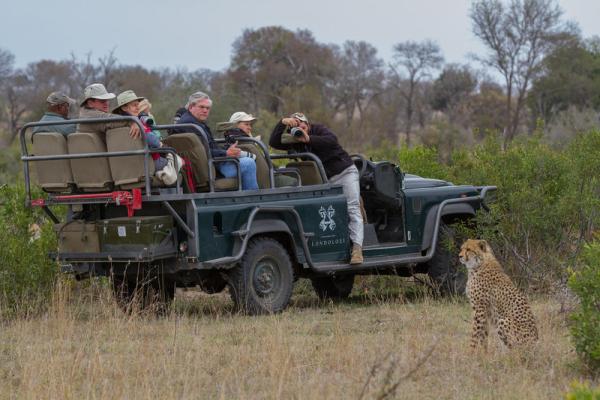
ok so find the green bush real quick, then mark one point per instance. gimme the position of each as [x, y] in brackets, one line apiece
[586, 321]
[26, 273]
[582, 391]
[546, 203]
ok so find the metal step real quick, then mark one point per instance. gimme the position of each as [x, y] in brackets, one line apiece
[369, 263]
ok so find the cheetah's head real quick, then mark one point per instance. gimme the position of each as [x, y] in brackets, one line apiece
[472, 253]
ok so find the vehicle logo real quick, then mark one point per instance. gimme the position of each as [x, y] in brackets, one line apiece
[327, 221]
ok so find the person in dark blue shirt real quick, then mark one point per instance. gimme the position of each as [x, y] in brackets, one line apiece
[197, 111]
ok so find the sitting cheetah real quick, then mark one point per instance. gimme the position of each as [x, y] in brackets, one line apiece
[495, 299]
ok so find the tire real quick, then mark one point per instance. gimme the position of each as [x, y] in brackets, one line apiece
[333, 287]
[145, 293]
[444, 268]
[262, 282]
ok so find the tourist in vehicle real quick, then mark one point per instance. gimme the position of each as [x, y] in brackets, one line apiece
[198, 109]
[239, 125]
[95, 105]
[337, 163]
[128, 103]
[58, 105]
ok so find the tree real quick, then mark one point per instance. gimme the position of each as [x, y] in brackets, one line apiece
[517, 36]
[7, 60]
[570, 77]
[419, 60]
[359, 79]
[452, 90]
[270, 64]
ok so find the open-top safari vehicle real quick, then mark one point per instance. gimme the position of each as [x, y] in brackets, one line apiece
[204, 231]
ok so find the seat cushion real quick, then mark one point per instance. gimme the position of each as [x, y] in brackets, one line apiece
[55, 175]
[89, 174]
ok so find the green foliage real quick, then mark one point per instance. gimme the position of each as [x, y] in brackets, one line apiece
[418, 160]
[10, 164]
[26, 273]
[582, 391]
[546, 203]
[586, 321]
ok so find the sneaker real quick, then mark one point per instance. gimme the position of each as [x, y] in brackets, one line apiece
[356, 257]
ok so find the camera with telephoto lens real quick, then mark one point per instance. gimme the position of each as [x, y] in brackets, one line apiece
[296, 132]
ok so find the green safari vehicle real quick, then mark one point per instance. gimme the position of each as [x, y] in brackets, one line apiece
[205, 232]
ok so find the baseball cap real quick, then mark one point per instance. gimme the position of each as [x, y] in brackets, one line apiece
[56, 98]
[96, 91]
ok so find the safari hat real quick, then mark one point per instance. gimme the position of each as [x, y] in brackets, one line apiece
[241, 116]
[57, 98]
[96, 91]
[235, 119]
[299, 116]
[126, 97]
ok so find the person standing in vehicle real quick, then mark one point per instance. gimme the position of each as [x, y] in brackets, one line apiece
[58, 110]
[338, 165]
[198, 109]
[95, 105]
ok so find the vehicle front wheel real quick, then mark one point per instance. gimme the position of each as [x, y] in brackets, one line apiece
[333, 287]
[444, 268]
[262, 282]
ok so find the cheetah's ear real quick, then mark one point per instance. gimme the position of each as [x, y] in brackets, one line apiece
[483, 245]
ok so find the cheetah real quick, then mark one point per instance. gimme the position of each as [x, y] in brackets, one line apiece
[495, 299]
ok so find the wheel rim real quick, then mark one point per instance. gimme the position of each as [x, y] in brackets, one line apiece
[266, 278]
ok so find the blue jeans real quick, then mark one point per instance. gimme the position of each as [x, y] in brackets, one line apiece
[248, 169]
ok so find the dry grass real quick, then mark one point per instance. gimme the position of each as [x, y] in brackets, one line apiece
[366, 347]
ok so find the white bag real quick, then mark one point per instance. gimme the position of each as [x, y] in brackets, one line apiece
[168, 175]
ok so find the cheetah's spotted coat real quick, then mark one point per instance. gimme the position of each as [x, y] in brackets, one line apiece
[495, 299]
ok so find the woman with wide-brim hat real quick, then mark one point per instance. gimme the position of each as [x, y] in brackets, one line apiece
[128, 104]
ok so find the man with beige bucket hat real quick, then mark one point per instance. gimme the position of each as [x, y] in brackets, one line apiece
[95, 105]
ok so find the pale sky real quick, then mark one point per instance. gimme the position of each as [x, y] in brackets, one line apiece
[199, 34]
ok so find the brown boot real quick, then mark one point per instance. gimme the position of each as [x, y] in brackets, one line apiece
[356, 257]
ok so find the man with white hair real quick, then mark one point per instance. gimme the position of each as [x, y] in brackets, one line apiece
[197, 111]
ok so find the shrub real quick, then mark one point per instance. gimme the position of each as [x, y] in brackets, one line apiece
[582, 391]
[586, 321]
[26, 273]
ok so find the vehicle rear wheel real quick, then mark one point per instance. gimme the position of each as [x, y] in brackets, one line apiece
[262, 282]
[444, 268]
[143, 293]
[333, 287]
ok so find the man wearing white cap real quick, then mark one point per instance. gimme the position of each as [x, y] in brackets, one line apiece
[58, 110]
[95, 105]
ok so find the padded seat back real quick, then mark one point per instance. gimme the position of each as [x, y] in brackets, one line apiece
[262, 168]
[89, 174]
[55, 175]
[189, 147]
[309, 172]
[127, 171]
